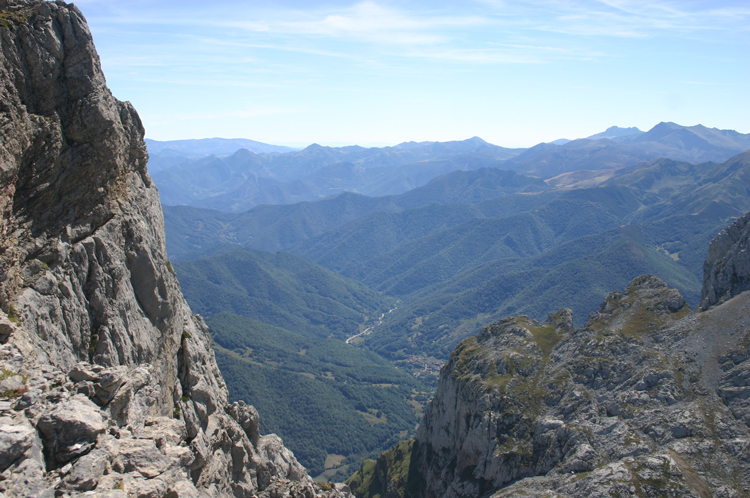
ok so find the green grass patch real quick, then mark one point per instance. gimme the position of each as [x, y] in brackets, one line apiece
[11, 19]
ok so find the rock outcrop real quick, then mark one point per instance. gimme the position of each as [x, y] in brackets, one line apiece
[647, 399]
[726, 271]
[108, 383]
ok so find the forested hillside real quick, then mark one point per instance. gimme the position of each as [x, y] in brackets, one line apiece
[280, 289]
[279, 322]
[406, 277]
[458, 265]
[333, 404]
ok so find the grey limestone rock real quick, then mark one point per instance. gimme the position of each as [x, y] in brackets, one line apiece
[86, 472]
[119, 375]
[648, 399]
[248, 418]
[71, 428]
[15, 440]
[142, 456]
[726, 271]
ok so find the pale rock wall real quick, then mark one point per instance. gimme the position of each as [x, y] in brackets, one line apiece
[726, 271]
[648, 399]
[108, 382]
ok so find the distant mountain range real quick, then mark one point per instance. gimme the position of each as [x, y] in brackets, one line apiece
[623, 147]
[466, 247]
[262, 174]
[474, 245]
[246, 179]
[212, 146]
[166, 154]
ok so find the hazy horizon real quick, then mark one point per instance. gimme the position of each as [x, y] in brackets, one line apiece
[514, 73]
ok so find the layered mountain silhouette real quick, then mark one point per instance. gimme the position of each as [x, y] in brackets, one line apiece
[250, 177]
[469, 247]
[246, 179]
[166, 154]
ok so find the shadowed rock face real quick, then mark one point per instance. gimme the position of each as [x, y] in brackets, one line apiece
[107, 379]
[726, 271]
[647, 399]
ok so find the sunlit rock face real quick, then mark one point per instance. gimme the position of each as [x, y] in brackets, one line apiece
[107, 379]
[726, 271]
[649, 398]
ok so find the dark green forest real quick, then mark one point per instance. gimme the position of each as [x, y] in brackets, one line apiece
[320, 395]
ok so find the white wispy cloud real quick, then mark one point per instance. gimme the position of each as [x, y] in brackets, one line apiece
[484, 32]
[369, 22]
[639, 19]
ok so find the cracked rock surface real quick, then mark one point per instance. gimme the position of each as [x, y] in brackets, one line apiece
[648, 399]
[108, 384]
[726, 271]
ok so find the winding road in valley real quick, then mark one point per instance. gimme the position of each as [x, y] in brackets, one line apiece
[368, 330]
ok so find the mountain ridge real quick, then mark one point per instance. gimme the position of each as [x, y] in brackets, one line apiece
[212, 146]
[318, 171]
[449, 263]
[529, 408]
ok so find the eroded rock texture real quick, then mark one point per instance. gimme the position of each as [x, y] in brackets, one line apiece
[107, 380]
[726, 271]
[648, 399]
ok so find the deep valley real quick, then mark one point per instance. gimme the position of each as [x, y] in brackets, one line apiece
[218, 317]
[457, 253]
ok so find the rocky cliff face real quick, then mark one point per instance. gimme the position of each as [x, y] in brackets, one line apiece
[648, 399]
[107, 380]
[726, 271]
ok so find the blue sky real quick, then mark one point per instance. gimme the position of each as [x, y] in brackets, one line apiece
[513, 73]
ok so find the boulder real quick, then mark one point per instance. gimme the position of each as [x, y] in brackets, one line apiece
[84, 372]
[109, 382]
[71, 428]
[87, 471]
[15, 441]
[142, 456]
